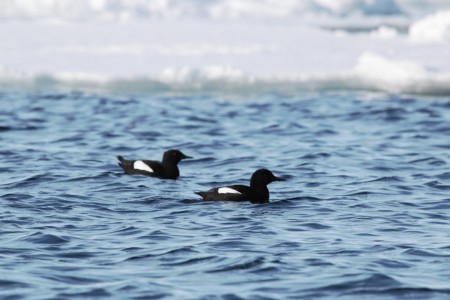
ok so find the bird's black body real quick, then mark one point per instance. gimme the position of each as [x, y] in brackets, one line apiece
[257, 192]
[167, 169]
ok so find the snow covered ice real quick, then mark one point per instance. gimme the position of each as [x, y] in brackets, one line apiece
[389, 46]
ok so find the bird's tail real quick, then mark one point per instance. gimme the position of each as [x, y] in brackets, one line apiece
[201, 194]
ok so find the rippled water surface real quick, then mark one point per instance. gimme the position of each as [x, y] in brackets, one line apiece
[364, 213]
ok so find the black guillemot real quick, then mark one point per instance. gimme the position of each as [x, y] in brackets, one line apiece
[257, 192]
[167, 169]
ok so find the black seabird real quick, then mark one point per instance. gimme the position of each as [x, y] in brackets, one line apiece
[257, 192]
[167, 169]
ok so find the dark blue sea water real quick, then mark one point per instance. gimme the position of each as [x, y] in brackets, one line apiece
[365, 213]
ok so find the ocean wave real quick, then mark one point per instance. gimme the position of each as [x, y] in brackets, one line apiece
[332, 230]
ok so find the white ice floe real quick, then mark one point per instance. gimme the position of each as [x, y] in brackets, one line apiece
[433, 28]
[128, 10]
[226, 45]
[384, 32]
[398, 76]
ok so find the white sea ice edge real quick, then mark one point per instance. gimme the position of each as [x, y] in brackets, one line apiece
[372, 72]
[123, 10]
[432, 28]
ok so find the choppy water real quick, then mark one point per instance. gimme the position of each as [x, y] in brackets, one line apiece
[365, 212]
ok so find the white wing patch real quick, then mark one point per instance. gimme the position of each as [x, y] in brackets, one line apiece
[227, 190]
[140, 165]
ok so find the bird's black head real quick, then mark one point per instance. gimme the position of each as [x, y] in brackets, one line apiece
[174, 156]
[264, 177]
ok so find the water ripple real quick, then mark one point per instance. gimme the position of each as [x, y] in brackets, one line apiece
[41, 238]
[363, 214]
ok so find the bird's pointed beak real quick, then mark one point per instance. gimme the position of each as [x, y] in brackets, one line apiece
[275, 178]
[186, 157]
